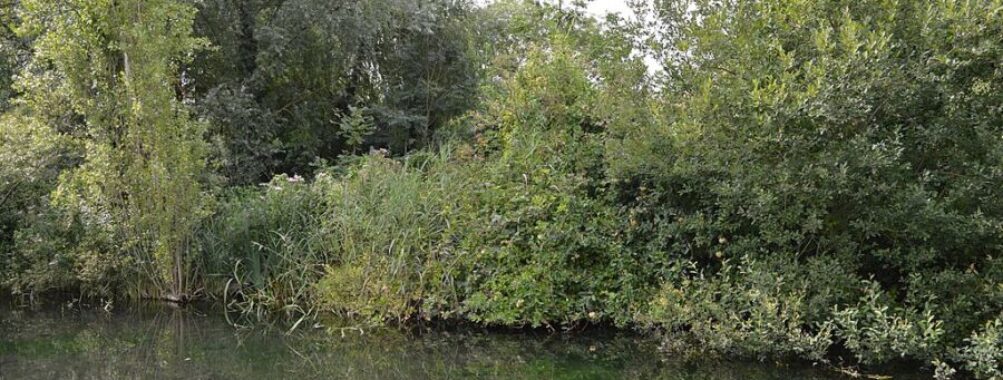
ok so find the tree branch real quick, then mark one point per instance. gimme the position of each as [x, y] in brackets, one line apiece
[10, 193]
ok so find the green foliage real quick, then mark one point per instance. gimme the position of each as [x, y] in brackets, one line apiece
[32, 156]
[983, 355]
[512, 230]
[369, 241]
[286, 73]
[860, 133]
[263, 250]
[355, 127]
[817, 128]
[393, 226]
[745, 309]
[544, 246]
[136, 194]
[243, 140]
[876, 333]
[813, 179]
[13, 53]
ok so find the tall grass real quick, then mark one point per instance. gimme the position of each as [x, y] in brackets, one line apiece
[368, 241]
[394, 227]
[263, 248]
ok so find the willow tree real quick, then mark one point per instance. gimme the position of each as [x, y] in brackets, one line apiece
[117, 66]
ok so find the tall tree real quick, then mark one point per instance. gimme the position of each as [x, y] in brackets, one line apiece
[115, 64]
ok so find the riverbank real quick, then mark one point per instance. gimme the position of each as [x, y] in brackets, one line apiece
[814, 180]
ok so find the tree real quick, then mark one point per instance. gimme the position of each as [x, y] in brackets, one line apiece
[13, 51]
[283, 74]
[113, 68]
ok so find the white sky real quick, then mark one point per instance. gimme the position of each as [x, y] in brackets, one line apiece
[600, 8]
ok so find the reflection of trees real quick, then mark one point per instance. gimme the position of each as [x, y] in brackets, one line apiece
[72, 344]
[164, 343]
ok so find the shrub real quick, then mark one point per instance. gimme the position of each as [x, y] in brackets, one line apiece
[863, 135]
[546, 244]
[983, 354]
[35, 250]
[746, 309]
[877, 333]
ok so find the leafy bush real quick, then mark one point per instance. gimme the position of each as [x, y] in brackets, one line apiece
[983, 355]
[745, 309]
[34, 255]
[876, 333]
[544, 248]
[516, 229]
[860, 134]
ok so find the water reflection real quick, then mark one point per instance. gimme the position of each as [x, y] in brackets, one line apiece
[164, 343]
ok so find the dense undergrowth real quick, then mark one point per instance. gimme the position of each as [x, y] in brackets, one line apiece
[819, 180]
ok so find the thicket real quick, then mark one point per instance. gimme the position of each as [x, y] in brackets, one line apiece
[799, 179]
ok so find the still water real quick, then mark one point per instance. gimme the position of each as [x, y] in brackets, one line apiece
[166, 343]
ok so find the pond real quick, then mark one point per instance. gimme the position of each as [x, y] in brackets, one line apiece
[167, 343]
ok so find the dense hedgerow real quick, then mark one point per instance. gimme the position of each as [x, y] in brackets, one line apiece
[860, 138]
[806, 179]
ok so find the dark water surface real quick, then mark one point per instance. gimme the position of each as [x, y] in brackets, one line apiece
[165, 343]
